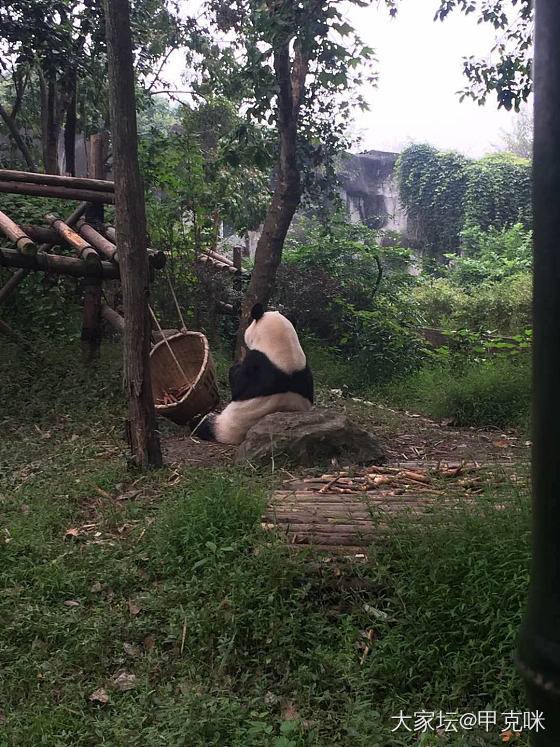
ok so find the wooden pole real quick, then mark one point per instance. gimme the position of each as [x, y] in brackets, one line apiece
[21, 274]
[64, 193]
[131, 236]
[41, 234]
[14, 233]
[538, 654]
[58, 264]
[156, 256]
[55, 180]
[106, 247]
[113, 318]
[84, 250]
[92, 329]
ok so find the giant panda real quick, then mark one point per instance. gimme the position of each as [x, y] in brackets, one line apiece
[274, 376]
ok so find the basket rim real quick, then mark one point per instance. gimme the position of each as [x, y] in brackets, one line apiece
[173, 405]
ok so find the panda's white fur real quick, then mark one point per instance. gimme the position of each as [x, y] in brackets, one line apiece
[275, 360]
[276, 337]
[231, 425]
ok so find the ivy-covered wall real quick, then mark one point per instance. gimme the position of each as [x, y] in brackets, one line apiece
[444, 192]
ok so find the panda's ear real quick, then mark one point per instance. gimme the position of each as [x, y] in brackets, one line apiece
[257, 311]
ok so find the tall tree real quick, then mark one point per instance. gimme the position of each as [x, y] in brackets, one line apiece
[131, 236]
[507, 71]
[54, 51]
[291, 65]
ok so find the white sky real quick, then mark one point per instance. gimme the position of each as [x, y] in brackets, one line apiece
[420, 72]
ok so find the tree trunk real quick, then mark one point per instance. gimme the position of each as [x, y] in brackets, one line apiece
[131, 235]
[287, 190]
[70, 131]
[18, 140]
[50, 129]
[538, 654]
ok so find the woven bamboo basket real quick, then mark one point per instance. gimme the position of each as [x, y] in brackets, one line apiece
[196, 369]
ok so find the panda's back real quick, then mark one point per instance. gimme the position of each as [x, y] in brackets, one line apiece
[258, 376]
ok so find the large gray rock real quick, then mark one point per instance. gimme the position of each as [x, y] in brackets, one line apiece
[308, 438]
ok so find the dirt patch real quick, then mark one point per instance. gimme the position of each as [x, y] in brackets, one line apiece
[188, 451]
[407, 437]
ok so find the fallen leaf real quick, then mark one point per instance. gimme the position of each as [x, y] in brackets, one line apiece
[149, 642]
[74, 437]
[102, 492]
[96, 587]
[71, 603]
[501, 443]
[133, 607]
[24, 508]
[125, 681]
[130, 649]
[99, 696]
[74, 532]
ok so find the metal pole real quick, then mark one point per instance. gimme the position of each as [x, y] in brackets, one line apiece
[538, 654]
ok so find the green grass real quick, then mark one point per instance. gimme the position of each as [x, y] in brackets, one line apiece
[491, 393]
[233, 639]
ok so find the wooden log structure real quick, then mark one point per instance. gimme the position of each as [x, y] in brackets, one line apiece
[63, 193]
[71, 182]
[103, 245]
[21, 274]
[92, 329]
[58, 264]
[84, 250]
[217, 264]
[41, 234]
[221, 257]
[113, 318]
[14, 233]
[156, 257]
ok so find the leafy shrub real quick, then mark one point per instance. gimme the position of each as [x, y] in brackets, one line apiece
[331, 287]
[489, 393]
[491, 255]
[440, 302]
[505, 306]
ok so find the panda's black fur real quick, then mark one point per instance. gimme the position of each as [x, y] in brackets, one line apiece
[274, 378]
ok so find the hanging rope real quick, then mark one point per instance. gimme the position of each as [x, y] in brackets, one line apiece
[154, 317]
[172, 289]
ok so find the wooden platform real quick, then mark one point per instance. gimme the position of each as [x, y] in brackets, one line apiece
[344, 512]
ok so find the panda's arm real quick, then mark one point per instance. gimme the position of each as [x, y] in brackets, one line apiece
[255, 376]
[242, 377]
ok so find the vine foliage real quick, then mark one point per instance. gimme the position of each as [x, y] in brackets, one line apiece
[446, 192]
